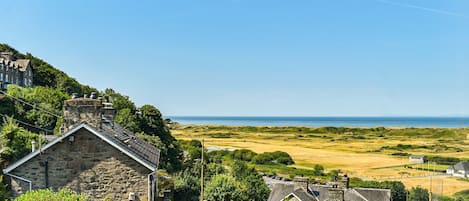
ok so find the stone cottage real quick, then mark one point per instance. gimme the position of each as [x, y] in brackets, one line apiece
[15, 71]
[93, 156]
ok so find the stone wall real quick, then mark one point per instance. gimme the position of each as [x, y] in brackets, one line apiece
[87, 165]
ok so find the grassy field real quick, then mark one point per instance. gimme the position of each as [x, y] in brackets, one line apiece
[367, 153]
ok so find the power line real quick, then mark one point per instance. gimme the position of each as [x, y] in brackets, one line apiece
[27, 124]
[32, 105]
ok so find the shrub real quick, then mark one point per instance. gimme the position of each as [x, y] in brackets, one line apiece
[243, 154]
[279, 157]
[49, 195]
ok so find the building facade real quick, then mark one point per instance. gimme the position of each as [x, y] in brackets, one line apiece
[94, 156]
[15, 71]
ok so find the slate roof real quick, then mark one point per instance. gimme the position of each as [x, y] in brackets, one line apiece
[319, 193]
[128, 140]
[20, 64]
[115, 135]
[463, 165]
[280, 191]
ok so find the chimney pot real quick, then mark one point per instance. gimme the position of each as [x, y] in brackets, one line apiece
[33, 146]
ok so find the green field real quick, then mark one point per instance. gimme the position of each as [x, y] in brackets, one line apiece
[368, 153]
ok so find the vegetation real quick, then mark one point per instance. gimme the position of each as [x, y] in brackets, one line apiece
[3, 189]
[277, 157]
[418, 194]
[356, 151]
[15, 141]
[225, 178]
[49, 195]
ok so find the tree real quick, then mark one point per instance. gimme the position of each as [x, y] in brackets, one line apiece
[16, 141]
[151, 123]
[418, 194]
[127, 119]
[318, 170]
[255, 189]
[240, 170]
[398, 191]
[223, 188]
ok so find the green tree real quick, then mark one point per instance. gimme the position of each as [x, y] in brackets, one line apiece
[418, 194]
[398, 191]
[240, 170]
[223, 188]
[16, 141]
[255, 189]
[127, 119]
[318, 170]
[151, 123]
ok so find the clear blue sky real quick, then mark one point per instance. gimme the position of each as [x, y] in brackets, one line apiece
[258, 57]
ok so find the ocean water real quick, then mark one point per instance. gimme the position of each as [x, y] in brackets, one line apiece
[441, 122]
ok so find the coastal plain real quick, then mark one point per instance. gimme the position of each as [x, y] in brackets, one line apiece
[367, 153]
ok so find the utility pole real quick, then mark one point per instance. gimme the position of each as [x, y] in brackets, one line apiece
[430, 195]
[202, 173]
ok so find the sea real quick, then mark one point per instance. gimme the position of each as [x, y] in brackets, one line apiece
[436, 122]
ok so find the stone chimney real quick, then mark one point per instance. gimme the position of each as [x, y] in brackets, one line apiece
[89, 110]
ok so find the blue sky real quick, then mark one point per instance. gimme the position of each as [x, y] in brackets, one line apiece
[258, 57]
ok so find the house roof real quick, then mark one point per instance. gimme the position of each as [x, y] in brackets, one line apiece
[118, 137]
[281, 191]
[21, 64]
[319, 193]
[463, 165]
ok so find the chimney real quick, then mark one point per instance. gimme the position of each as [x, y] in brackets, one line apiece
[82, 110]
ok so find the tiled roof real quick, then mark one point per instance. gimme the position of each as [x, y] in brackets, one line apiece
[129, 141]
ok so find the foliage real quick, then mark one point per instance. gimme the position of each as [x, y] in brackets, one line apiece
[49, 195]
[3, 189]
[16, 141]
[418, 194]
[243, 154]
[127, 119]
[186, 186]
[462, 195]
[318, 170]
[41, 97]
[223, 188]
[279, 157]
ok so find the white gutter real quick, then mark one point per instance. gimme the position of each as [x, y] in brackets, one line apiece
[22, 179]
[151, 191]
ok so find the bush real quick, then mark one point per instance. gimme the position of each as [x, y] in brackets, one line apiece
[49, 195]
[277, 157]
[418, 194]
[243, 154]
